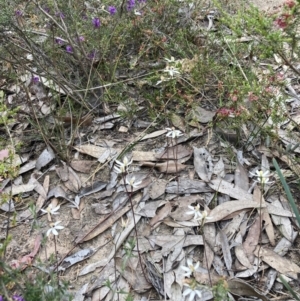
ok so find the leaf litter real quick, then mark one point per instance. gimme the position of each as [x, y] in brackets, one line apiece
[247, 234]
[232, 230]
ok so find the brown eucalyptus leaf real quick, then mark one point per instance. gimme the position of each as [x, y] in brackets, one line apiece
[73, 183]
[176, 292]
[79, 256]
[19, 189]
[93, 150]
[226, 251]
[108, 220]
[167, 167]
[184, 185]
[176, 152]
[288, 139]
[167, 240]
[280, 212]
[76, 213]
[226, 209]
[57, 192]
[169, 279]
[38, 187]
[155, 276]
[83, 166]
[257, 196]
[284, 244]
[283, 223]
[154, 134]
[150, 208]
[162, 213]
[200, 164]
[41, 200]
[242, 257]
[252, 239]
[28, 166]
[205, 278]
[235, 192]
[178, 224]
[133, 274]
[202, 115]
[63, 172]
[219, 168]
[234, 225]
[157, 188]
[265, 166]
[209, 231]
[280, 264]
[241, 178]
[240, 288]
[95, 187]
[144, 156]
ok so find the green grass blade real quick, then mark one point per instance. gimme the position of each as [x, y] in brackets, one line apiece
[287, 286]
[287, 191]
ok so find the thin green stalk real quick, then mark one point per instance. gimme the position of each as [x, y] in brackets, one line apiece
[287, 286]
[287, 191]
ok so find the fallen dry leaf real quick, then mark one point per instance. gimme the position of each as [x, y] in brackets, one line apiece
[241, 288]
[225, 210]
[241, 178]
[235, 192]
[176, 152]
[280, 264]
[167, 167]
[45, 158]
[83, 166]
[162, 213]
[252, 239]
[200, 162]
[268, 225]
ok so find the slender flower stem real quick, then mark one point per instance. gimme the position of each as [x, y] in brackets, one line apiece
[129, 193]
[55, 250]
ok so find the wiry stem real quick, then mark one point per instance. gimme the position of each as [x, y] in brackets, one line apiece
[129, 193]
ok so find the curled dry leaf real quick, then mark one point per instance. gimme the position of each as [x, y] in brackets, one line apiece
[76, 257]
[200, 162]
[45, 158]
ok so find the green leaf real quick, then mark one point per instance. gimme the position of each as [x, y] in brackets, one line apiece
[287, 191]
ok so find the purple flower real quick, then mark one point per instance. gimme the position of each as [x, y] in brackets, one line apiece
[112, 10]
[69, 49]
[18, 298]
[1, 298]
[81, 39]
[92, 54]
[59, 41]
[96, 22]
[61, 15]
[46, 9]
[18, 13]
[130, 4]
[35, 80]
